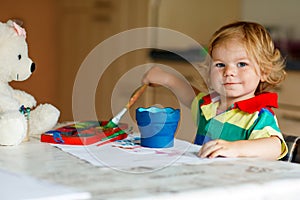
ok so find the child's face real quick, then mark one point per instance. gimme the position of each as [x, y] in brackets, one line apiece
[234, 74]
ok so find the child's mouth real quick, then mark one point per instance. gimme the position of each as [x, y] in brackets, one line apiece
[230, 83]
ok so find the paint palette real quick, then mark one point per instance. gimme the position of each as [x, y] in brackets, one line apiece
[85, 133]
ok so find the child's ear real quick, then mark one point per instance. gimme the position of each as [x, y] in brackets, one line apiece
[264, 72]
[264, 76]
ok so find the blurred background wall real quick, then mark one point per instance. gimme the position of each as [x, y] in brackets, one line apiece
[60, 34]
[40, 19]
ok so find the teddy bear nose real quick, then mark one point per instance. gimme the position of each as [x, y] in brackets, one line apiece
[32, 67]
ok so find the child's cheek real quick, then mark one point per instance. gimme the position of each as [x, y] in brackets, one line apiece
[215, 79]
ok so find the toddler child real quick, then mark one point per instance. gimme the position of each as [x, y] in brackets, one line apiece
[235, 119]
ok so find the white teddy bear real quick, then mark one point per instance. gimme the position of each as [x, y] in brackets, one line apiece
[17, 116]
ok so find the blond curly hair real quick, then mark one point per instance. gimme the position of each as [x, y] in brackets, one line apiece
[259, 45]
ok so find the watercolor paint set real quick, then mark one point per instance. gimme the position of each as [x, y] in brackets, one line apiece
[85, 133]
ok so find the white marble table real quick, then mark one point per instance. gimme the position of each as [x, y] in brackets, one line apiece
[232, 179]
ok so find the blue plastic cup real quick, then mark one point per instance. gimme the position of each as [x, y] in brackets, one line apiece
[157, 126]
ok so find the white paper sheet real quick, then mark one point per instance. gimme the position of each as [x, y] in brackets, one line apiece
[149, 158]
[15, 187]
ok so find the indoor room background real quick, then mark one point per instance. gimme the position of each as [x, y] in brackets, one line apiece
[61, 33]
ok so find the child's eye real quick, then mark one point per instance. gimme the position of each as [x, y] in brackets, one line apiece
[19, 56]
[220, 65]
[242, 64]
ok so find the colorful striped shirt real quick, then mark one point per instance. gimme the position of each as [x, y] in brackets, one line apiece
[244, 120]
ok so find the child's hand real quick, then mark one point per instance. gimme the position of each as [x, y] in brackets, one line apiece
[156, 76]
[267, 148]
[180, 87]
[220, 148]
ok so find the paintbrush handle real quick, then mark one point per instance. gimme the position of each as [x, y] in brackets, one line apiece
[136, 95]
[115, 120]
[118, 117]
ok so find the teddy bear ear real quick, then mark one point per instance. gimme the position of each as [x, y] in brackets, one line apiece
[16, 25]
[17, 21]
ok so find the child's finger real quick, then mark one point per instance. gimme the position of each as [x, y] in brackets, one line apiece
[217, 153]
[209, 148]
[154, 85]
[211, 153]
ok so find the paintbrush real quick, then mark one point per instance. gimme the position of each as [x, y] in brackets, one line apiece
[115, 120]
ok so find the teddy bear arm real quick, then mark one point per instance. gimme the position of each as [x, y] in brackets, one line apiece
[24, 98]
[8, 103]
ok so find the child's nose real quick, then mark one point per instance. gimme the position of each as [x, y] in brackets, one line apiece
[230, 71]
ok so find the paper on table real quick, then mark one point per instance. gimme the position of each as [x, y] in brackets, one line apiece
[149, 158]
[15, 186]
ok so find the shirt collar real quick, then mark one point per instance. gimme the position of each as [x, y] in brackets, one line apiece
[263, 100]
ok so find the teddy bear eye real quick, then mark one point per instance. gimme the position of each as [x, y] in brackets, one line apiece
[19, 56]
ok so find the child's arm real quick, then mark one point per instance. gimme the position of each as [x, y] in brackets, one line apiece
[267, 148]
[181, 88]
